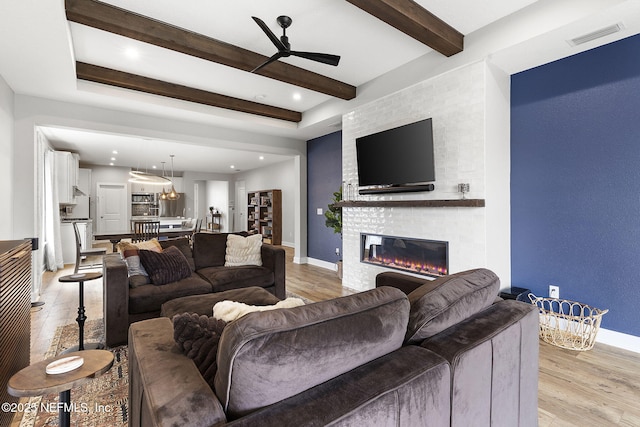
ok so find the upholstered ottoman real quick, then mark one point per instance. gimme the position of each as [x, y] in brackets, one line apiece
[203, 304]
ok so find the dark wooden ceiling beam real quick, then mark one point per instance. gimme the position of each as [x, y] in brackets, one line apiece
[417, 22]
[128, 24]
[125, 80]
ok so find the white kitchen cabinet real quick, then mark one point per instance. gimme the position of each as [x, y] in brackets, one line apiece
[66, 166]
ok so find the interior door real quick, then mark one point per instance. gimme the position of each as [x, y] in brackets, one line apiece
[111, 207]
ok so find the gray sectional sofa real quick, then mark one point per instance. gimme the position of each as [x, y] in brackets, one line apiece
[125, 303]
[449, 353]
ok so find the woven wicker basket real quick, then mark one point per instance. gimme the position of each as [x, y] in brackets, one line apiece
[568, 324]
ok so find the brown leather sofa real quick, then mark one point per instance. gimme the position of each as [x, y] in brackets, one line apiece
[124, 304]
[446, 354]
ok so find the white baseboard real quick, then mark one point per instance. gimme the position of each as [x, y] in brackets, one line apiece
[618, 339]
[320, 263]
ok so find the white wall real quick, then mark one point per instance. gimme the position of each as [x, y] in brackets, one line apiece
[460, 106]
[218, 197]
[6, 154]
[278, 176]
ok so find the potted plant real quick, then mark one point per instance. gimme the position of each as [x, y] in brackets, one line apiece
[333, 220]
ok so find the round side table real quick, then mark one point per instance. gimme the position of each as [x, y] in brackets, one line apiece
[80, 278]
[34, 380]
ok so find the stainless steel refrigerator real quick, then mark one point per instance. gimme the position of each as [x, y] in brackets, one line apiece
[172, 208]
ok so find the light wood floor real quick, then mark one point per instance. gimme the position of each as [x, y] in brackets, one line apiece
[600, 387]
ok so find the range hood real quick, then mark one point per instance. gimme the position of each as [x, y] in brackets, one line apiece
[77, 191]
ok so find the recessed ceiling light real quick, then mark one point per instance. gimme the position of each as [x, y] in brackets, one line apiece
[114, 152]
[111, 164]
[261, 157]
[232, 166]
[113, 159]
[297, 96]
[132, 53]
[153, 167]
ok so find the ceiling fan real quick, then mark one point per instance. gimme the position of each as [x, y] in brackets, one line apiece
[284, 48]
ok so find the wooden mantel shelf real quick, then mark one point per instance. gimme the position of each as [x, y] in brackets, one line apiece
[454, 203]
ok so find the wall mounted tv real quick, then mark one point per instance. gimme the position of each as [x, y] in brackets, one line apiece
[397, 160]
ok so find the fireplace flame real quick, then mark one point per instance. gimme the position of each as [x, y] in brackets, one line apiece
[409, 265]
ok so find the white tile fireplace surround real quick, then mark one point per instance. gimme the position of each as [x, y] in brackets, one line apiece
[467, 106]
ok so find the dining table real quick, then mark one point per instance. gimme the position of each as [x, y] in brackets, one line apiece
[116, 236]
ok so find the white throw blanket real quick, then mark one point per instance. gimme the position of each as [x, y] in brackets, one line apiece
[232, 310]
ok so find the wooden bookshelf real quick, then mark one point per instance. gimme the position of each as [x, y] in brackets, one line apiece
[264, 215]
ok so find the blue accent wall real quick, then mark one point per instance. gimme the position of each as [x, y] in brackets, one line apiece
[324, 177]
[575, 180]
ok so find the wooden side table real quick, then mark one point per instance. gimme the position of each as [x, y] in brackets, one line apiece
[34, 381]
[80, 278]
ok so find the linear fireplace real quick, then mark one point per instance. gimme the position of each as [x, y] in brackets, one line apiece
[426, 257]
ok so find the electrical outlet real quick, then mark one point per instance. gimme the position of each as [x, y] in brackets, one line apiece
[554, 291]
[338, 251]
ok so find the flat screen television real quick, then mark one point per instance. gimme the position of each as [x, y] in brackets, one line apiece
[397, 160]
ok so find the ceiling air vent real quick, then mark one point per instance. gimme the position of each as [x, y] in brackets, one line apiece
[596, 34]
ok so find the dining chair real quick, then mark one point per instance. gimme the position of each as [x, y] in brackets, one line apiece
[83, 253]
[196, 228]
[145, 230]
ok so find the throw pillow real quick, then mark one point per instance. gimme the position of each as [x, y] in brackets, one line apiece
[136, 272]
[138, 276]
[165, 267]
[184, 244]
[232, 310]
[150, 245]
[448, 300]
[197, 337]
[243, 250]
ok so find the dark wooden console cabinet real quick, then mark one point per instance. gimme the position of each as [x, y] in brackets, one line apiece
[15, 315]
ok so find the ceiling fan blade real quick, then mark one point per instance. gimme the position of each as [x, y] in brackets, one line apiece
[325, 58]
[268, 61]
[275, 40]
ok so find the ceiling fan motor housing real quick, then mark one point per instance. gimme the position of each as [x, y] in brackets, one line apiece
[284, 21]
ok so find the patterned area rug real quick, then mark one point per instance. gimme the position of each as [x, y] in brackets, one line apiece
[97, 403]
[292, 295]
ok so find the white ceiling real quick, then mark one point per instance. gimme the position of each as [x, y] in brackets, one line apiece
[39, 48]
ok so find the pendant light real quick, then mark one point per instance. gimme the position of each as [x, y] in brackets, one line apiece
[140, 177]
[163, 195]
[173, 195]
[145, 177]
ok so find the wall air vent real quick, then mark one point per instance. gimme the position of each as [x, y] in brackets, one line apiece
[602, 32]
